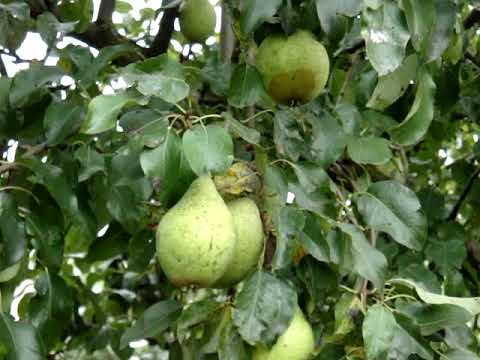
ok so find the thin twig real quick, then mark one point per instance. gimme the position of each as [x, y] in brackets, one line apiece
[32, 151]
[468, 187]
[364, 289]
[472, 59]
[347, 209]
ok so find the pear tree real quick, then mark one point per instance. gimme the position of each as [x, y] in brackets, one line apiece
[239, 179]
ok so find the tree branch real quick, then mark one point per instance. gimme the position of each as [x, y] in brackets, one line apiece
[3, 69]
[100, 35]
[32, 151]
[162, 40]
[472, 19]
[472, 59]
[107, 7]
[468, 187]
[227, 36]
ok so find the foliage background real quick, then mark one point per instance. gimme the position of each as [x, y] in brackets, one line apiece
[378, 241]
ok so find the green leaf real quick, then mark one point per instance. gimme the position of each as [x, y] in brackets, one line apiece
[420, 17]
[349, 117]
[62, 119]
[248, 134]
[448, 251]
[320, 202]
[369, 150]
[329, 11]
[290, 224]
[167, 164]
[50, 310]
[246, 87]
[264, 308]
[123, 203]
[160, 76]
[328, 139]
[312, 177]
[30, 82]
[197, 313]
[472, 305]
[433, 318]
[92, 162]
[149, 125]
[110, 246]
[45, 226]
[377, 343]
[123, 7]
[91, 69]
[287, 135]
[416, 123]
[443, 29]
[422, 276]
[231, 345]
[431, 24]
[17, 9]
[141, 249]
[14, 23]
[256, 12]
[48, 26]
[55, 181]
[405, 344]
[21, 340]
[13, 241]
[386, 37]
[80, 10]
[392, 86]
[153, 322]
[313, 240]
[368, 262]
[208, 149]
[318, 278]
[218, 75]
[347, 309]
[103, 111]
[461, 354]
[392, 208]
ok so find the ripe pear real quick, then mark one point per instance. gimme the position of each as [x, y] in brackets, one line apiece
[197, 20]
[296, 343]
[249, 232]
[294, 68]
[196, 238]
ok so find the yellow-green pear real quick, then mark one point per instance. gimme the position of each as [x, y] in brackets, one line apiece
[296, 343]
[249, 245]
[196, 238]
[197, 20]
[294, 68]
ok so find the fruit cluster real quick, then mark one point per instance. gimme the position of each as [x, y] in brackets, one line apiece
[205, 242]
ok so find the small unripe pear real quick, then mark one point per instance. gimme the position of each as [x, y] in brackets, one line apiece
[197, 20]
[296, 343]
[196, 238]
[249, 245]
[294, 68]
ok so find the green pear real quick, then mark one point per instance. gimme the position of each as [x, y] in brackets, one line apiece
[196, 238]
[296, 343]
[294, 68]
[197, 20]
[249, 232]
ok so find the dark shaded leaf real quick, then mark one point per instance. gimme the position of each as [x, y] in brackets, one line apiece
[264, 308]
[153, 322]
